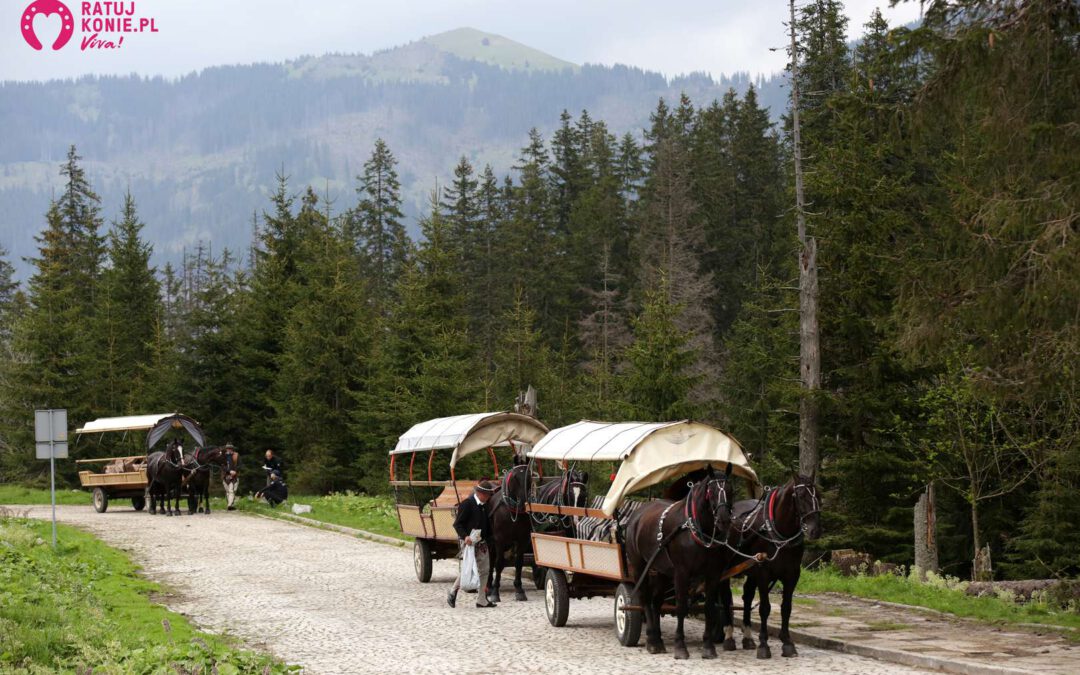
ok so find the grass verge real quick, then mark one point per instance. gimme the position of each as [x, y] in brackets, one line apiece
[941, 594]
[83, 607]
[362, 512]
[372, 514]
[17, 494]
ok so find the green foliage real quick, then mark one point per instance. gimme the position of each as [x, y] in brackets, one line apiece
[659, 375]
[944, 594]
[85, 607]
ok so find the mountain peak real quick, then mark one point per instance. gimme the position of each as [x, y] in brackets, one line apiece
[477, 45]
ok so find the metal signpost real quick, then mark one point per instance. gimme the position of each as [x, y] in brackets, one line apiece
[50, 438]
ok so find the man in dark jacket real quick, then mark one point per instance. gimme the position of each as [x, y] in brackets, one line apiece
[473, 528]
[273, 465]
[276, 492]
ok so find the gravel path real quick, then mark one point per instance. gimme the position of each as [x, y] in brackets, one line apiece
[341, 605]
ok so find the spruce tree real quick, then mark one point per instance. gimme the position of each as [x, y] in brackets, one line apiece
[323, 362]
[376, 225]
[660, 361]
[130, 313]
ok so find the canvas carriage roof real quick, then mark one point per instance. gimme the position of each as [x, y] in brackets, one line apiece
[158, 425]
[468, 433]
[650, 453]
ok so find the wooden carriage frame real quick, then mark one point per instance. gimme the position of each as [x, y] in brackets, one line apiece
[431, 522]
[133, 485]
[648, 454]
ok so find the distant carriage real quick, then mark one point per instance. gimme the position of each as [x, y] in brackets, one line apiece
[125, 477]
[591, 560]
[426, 506]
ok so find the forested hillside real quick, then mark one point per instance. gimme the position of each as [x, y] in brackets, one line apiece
[202, 151]
[645, 280]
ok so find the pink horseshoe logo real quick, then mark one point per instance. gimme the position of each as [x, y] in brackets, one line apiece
[47, 7]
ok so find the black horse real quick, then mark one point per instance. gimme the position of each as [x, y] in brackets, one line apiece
[777, 525]
[570, 489]
[510, 528]
[197, 466]
[676, 544]
[164, 474]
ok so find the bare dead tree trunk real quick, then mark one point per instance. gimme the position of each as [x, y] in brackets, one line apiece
[809, 352]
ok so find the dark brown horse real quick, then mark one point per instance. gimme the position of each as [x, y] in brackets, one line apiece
[777, 525]
[675, 545]
[197, 466]
[164, 474]
[570, 489]
[510, 528]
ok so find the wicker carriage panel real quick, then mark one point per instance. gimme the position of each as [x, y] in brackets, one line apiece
[443, 521]
[551, 553]
[412, 522]
[601, 560]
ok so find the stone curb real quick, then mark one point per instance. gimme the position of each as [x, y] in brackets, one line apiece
[311, 522]
[892, 655]
[880, 653]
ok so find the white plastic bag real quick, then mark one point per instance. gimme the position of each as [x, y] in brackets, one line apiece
[470, 574]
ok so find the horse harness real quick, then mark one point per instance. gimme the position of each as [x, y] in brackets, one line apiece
[514, 506]
[690, 523]
[768, 531]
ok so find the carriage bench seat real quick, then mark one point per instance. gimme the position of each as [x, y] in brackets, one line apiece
[449, 498]
[603, 529]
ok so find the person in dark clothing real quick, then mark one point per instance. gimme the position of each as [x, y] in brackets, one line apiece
[272, 465]
[230, 478]
[473, 527]
[276, 492]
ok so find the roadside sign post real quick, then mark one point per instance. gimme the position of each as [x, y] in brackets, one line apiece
[50, 441]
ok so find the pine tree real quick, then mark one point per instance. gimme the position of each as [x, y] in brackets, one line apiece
[323, 363]
[670, 241]
[129, 315]
[9, 301]
[521, 356]
[376, 224]
[604, 334]
[660, 378]
[421, 361]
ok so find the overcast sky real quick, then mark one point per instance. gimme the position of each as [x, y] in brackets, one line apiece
[670, 36]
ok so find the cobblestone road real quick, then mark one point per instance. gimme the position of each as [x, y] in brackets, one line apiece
[341, 605]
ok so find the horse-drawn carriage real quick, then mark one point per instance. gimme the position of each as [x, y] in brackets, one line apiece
[592, 559]
[125, 477]
[427, 505]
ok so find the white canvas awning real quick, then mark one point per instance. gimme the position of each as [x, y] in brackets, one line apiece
[158, 425]
[468, 433]
[131, 423]
[650, 453]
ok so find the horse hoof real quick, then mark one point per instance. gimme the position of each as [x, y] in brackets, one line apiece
[655, 648]
[729, 645]
[200, 509]
[207, 511]
[168, 513]
[748, 643]
[494, 597]
[789, 650]
[763, 652]
[708, 652]
[520, 596]
[681, 653]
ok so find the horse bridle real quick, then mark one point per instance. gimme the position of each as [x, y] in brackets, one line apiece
[707, 540]
[514, 506]
[815, 503]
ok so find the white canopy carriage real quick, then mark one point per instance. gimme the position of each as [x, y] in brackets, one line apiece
[126, 476]
[431, 521]
[648, 454]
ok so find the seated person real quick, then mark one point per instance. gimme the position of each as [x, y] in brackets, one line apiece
[276, 492]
